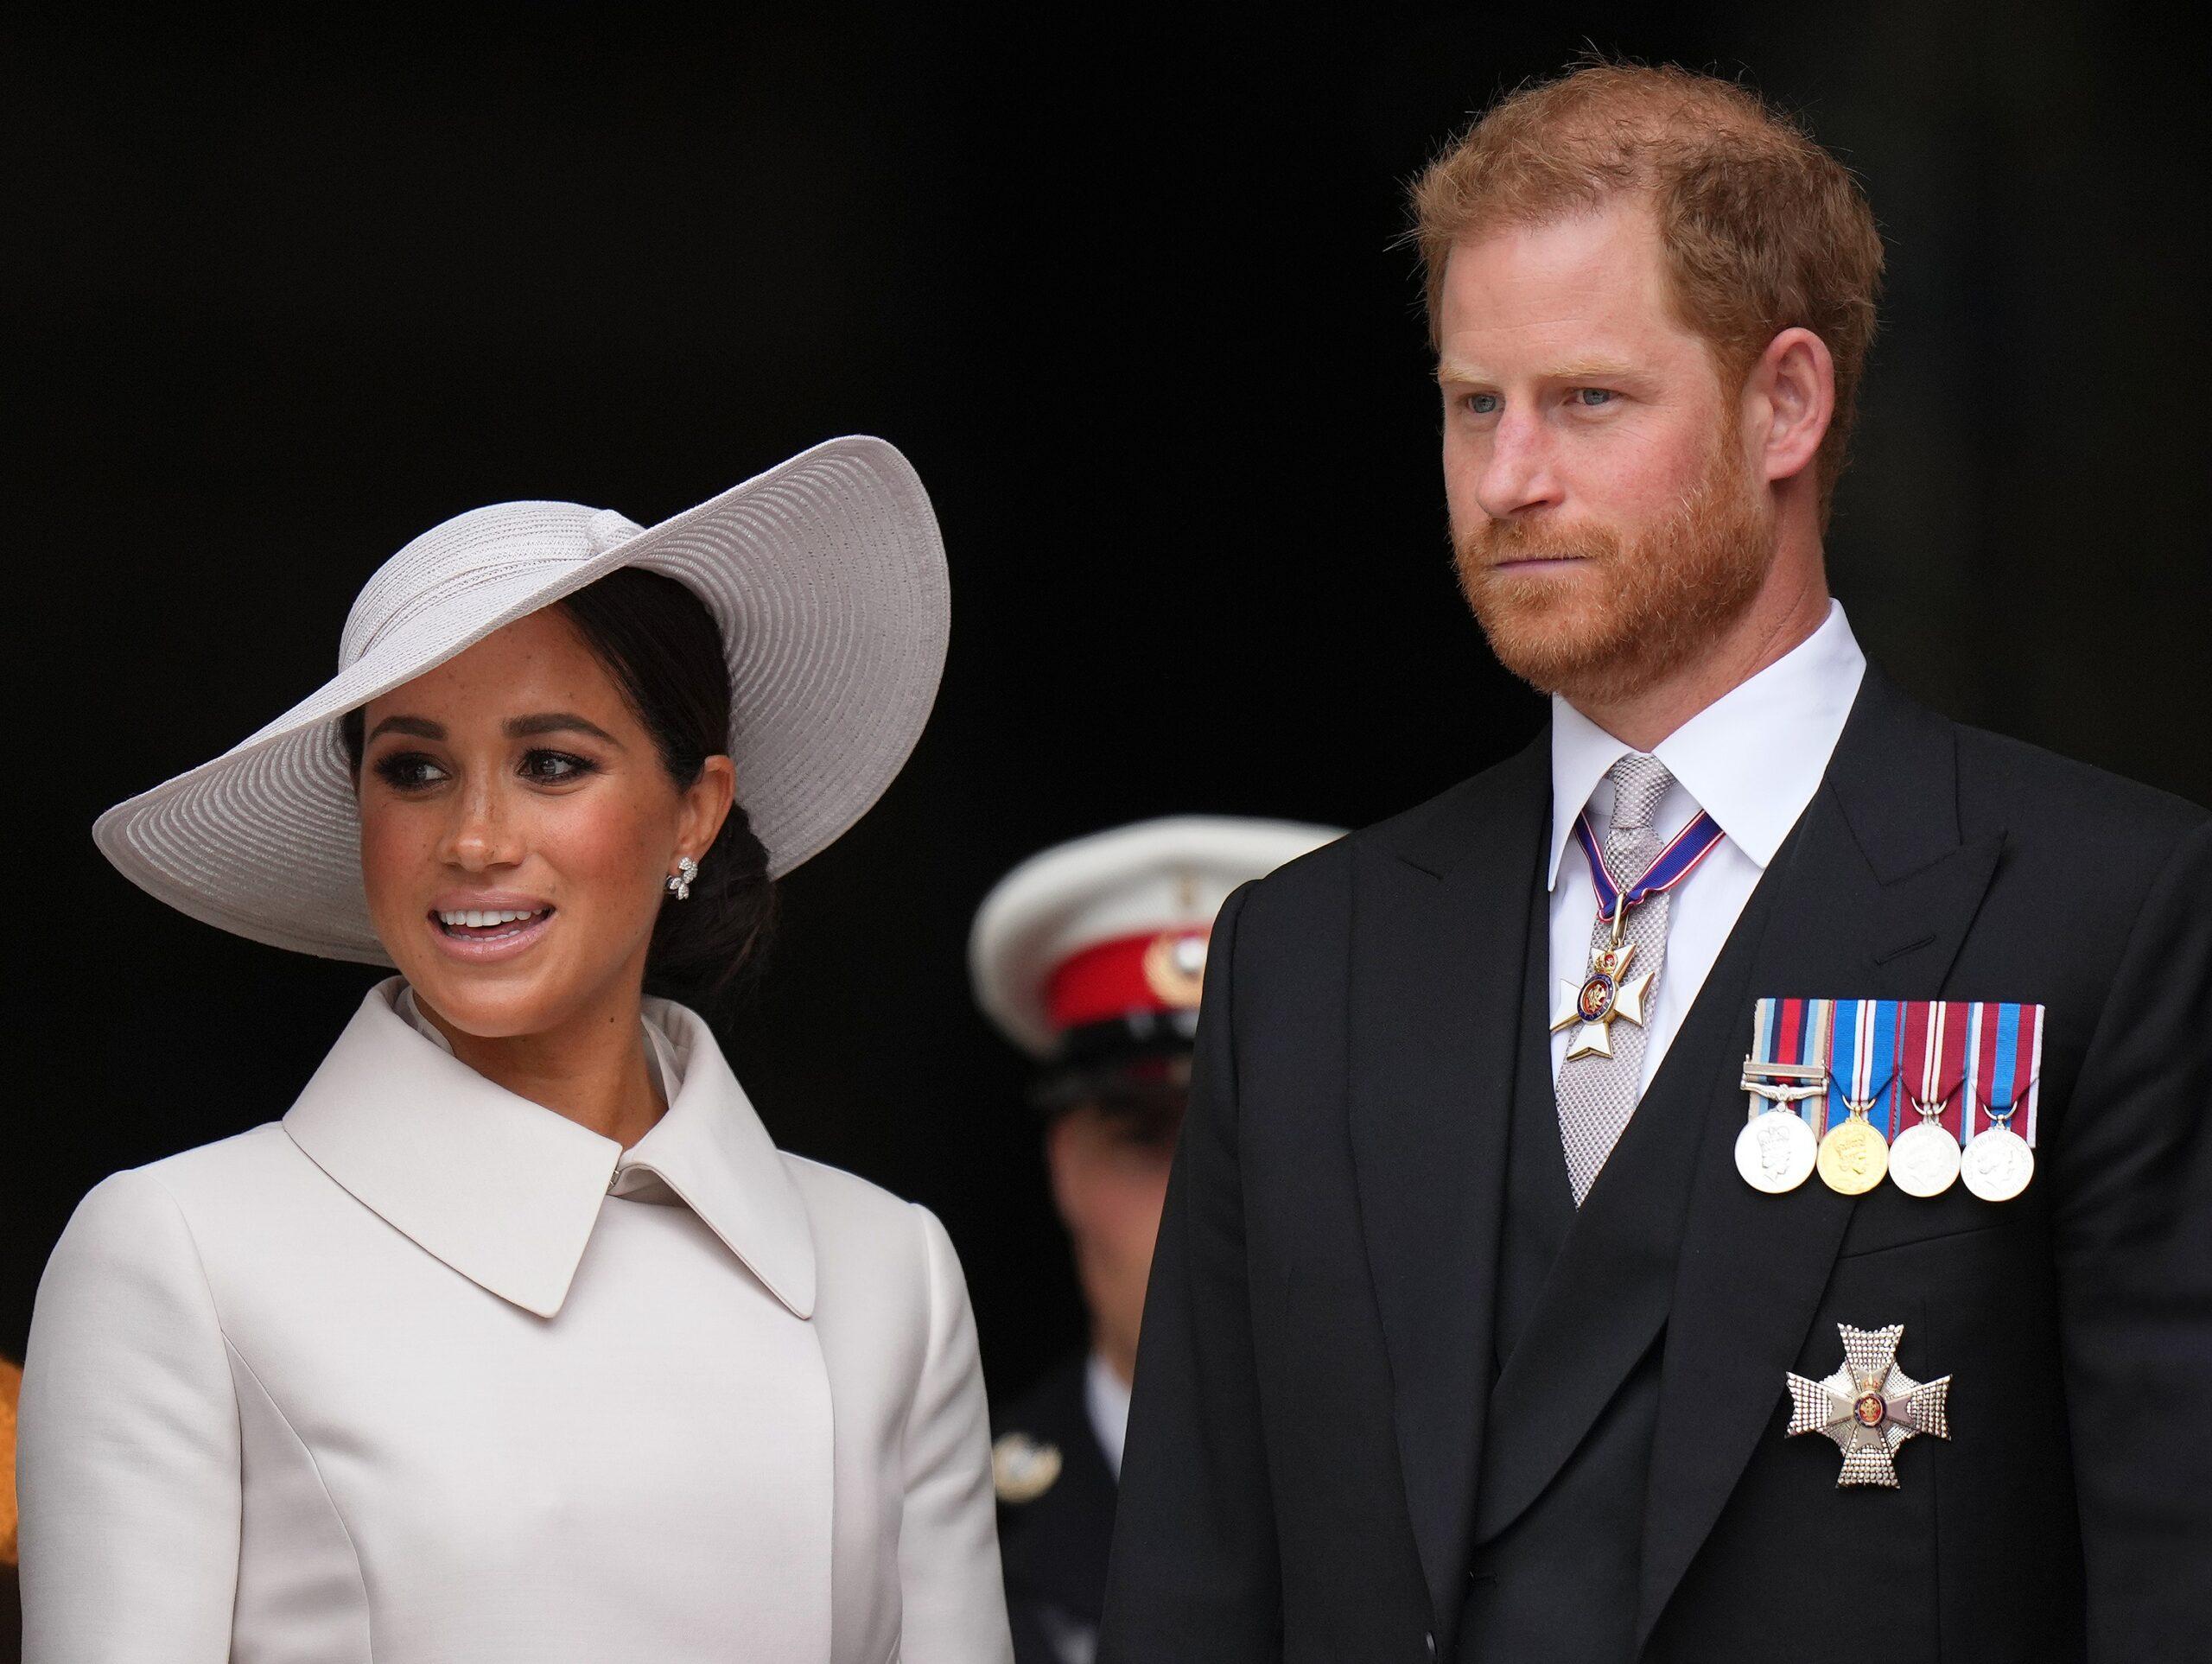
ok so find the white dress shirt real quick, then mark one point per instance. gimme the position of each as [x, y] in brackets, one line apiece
[1752, 760]
[428, 1372]
[1106, 1400]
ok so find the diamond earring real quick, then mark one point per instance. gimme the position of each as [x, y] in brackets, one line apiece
[679, 881]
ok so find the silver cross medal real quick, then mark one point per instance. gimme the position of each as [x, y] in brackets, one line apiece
[1869, 1406]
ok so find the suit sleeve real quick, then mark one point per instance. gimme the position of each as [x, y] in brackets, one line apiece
[1195, 1575]
[128, 1465]
[953, 1596]
[2133, 1178]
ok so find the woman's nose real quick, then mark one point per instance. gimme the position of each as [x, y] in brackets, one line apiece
[480, 834]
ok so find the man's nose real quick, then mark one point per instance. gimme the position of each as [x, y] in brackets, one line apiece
[1518, 474]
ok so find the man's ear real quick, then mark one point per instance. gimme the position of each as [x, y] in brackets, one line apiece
[1789, 401]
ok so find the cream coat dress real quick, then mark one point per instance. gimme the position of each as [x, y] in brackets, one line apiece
[425, 1374]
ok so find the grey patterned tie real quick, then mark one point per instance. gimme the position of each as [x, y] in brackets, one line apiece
[1598, 1095]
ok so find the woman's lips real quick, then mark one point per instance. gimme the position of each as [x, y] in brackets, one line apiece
[479, 944]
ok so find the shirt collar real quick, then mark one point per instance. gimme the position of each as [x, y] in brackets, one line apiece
[1752, 760]
[506, 1191]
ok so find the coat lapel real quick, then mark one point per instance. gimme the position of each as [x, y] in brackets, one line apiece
[1440, 935]
[1871, 897]
[1607, 1294]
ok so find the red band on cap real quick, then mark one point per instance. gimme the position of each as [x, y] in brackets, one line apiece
[1147, 973]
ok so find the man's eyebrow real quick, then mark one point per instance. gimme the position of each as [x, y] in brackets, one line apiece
[1590, 370]
[421, 727]
[528, 727]
[1573, 370]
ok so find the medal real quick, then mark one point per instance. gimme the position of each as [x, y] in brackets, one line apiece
[1925, 1158]
[1870, 1406]
[2007, 1054]
[1607, 990]
[1999, 1164]
[1863, 1050]
[1853, 1155]
[1775, 1150]
[1606, 993]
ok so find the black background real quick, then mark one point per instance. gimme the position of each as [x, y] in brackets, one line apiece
[1127, 294]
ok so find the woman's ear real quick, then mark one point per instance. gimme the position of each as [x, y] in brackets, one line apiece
[707, 801]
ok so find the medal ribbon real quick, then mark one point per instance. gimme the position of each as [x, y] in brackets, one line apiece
[2006, 1059]
[1862, 1058]
[1932, 1064]
[1792, 1031]
[1671, 865]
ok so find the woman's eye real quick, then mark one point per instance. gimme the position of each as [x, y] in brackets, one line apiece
[1590, 398]
[555, 767]
[408, 770]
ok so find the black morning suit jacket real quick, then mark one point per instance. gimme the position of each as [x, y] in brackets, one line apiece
[1392, 1404]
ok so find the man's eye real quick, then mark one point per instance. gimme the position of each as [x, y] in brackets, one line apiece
[1484, 403]
[1591, 397]
[408, 770]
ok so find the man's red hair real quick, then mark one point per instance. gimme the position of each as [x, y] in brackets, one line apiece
[1763, 230]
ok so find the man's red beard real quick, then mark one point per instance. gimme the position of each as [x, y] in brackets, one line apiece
[1634, 611]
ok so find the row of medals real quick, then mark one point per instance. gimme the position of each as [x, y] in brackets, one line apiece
[1777, 1152]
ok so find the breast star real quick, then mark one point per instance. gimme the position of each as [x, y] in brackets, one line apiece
[1869, 1406]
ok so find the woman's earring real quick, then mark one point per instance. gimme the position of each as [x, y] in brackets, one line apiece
[679, 881]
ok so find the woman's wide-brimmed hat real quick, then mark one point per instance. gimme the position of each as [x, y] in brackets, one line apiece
[826, 575]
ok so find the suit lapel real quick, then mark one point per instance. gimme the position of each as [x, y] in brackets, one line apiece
[1871, 897]
[1440, 935]
[1607, 1294]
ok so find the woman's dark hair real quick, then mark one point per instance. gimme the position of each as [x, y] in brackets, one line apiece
[665, 652]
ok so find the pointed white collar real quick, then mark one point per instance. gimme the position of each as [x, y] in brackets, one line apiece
[1752, 760]
[506, 1191]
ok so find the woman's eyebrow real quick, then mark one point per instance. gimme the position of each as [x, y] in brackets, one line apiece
[526, 728]
[420, 727]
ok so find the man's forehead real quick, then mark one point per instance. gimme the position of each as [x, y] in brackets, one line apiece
[1587, 293]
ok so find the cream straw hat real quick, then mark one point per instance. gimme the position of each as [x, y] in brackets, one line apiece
[826, 575]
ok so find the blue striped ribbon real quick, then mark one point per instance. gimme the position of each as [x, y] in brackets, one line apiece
[1848, 1073]
[1674, 863]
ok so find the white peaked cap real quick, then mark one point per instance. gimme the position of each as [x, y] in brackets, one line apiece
[1155, 876]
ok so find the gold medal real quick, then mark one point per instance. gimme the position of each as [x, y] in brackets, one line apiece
[1854, 1156]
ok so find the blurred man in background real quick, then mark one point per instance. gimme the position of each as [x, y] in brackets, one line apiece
[1089, 957]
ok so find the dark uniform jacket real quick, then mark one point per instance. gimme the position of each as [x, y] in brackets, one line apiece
[1054, 1545]
[1398, 1399]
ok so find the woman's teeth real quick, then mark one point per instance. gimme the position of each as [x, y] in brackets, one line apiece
[475, 919]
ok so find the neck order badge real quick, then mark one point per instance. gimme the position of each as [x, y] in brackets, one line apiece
[1854, 1074]
[1607, 991]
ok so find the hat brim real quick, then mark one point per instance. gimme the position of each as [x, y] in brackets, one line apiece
[827, 577]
